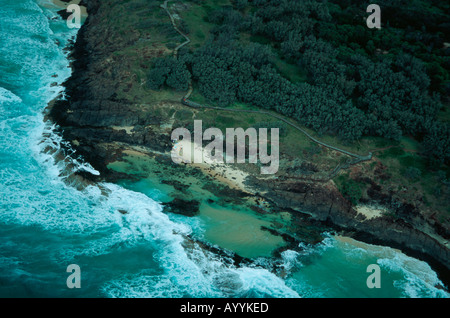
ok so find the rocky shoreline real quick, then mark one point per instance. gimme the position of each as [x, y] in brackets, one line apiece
[93, 111]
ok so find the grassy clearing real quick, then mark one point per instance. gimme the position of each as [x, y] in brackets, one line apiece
[293, 143]
[197, 23]
[148, 28]
[350, 189]
[410, 175]
[195, 17]
[290, 71]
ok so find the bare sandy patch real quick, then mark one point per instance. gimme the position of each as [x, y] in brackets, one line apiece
[359, 244]
[128, 129]
[186, 151]
[370, 212]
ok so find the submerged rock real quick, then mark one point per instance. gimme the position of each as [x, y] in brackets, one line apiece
[183, 207]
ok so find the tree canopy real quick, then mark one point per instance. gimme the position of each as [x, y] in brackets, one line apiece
[360, 82]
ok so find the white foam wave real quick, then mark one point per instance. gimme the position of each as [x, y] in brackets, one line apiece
[206, 276]
[188, 272]
[7, 96]
[418, 279]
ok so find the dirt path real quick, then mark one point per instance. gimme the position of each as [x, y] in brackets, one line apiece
[185, 101]
[175, 51]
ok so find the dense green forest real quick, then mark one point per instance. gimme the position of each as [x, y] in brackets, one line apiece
[384, 82]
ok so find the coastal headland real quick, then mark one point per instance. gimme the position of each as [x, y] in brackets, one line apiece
[123, 129]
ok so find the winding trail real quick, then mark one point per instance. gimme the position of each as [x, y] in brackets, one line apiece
[185, 101]
[172, 19]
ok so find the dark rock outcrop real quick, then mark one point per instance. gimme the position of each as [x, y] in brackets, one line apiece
[184, 207]
[92, 111]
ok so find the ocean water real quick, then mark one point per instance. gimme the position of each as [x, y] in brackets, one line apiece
[46, 224]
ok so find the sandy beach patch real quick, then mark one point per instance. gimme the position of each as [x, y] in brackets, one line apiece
[359, 244]
[186, 151]
[371, 212]
[128, 129]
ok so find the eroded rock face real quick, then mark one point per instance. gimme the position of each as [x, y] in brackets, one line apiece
[321, 200]
[325, 203]
[93, 113]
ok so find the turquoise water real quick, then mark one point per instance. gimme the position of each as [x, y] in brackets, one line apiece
[45, 224]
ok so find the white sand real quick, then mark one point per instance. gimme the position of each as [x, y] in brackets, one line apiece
[227, 173]
[359, 244]
[370, 212]
[126, 128]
